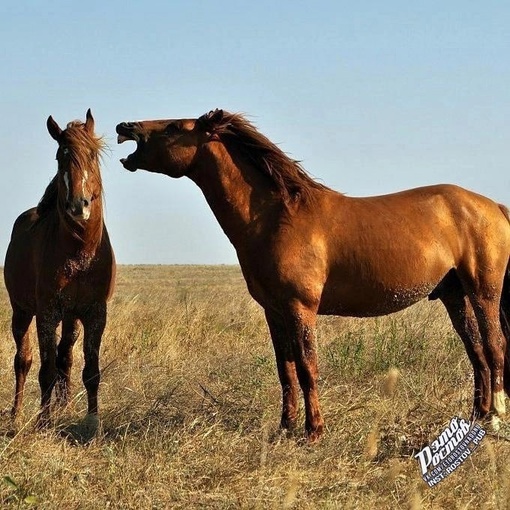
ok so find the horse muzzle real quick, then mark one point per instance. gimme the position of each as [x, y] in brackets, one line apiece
[130, 131]
[79, 209]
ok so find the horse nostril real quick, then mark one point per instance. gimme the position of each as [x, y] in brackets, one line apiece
[86, 202]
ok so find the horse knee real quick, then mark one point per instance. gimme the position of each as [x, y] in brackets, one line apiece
[22, 362]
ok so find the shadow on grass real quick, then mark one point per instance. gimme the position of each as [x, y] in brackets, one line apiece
[83, 432]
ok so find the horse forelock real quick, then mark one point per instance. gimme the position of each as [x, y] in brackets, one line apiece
[86, 149]
[287, 174]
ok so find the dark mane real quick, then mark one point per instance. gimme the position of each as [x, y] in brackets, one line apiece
[287, 174]
[48, 201]
[84, 149]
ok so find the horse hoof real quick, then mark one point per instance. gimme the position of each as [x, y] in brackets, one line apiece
[495, 423]
[314, 436]
[43, 422]
[16, 423]
[90, 426]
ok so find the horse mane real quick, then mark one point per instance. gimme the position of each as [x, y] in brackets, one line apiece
[288, 176]
[83, 144]
[48, 201]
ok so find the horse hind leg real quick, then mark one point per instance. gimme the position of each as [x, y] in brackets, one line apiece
[23, 358]
[464, 321]
[504, 314]
[487, 311]
[505, 325]
[70, 332]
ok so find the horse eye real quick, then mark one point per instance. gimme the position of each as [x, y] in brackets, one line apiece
[65, 151]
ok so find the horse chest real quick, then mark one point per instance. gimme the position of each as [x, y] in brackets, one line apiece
[69, 285]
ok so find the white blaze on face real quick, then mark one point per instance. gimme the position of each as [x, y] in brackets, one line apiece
[86, 210]
[85, 215]
[84, 181]
[66, 182]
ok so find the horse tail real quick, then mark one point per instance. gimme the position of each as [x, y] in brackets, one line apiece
[504, 312]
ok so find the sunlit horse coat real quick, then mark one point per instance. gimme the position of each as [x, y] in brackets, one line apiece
[305, 249]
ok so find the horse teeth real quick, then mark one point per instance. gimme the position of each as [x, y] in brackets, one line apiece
[122, 138]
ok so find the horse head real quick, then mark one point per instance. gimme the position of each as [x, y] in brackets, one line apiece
[79, 178]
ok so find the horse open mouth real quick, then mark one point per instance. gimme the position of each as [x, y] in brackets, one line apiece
[126, 131]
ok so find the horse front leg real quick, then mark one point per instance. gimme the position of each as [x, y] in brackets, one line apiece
[300, 325]
[286, 370]
[46, 332]
[23, 359]
[94, 322]
[70, 331]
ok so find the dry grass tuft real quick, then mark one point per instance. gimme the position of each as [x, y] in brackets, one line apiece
[190, 403]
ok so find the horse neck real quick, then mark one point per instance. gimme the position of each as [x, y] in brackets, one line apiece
[238, 195]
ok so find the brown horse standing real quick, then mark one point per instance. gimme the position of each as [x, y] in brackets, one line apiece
[60, 267]
[305, 249]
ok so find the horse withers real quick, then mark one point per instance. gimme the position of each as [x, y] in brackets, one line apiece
[305, 249]
[60, 268]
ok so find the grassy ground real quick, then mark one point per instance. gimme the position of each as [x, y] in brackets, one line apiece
[190, 404]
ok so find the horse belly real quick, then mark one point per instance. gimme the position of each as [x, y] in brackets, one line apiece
[358, 300]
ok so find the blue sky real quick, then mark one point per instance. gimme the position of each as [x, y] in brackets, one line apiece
[371, 96]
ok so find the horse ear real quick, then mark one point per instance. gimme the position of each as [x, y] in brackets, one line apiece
[209, 122]
[89, 123]
[216, 116]
[53, 128]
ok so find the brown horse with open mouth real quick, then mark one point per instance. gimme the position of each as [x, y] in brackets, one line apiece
[305, 249]
[60, 267]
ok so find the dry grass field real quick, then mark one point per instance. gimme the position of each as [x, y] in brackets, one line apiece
[190, 403]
